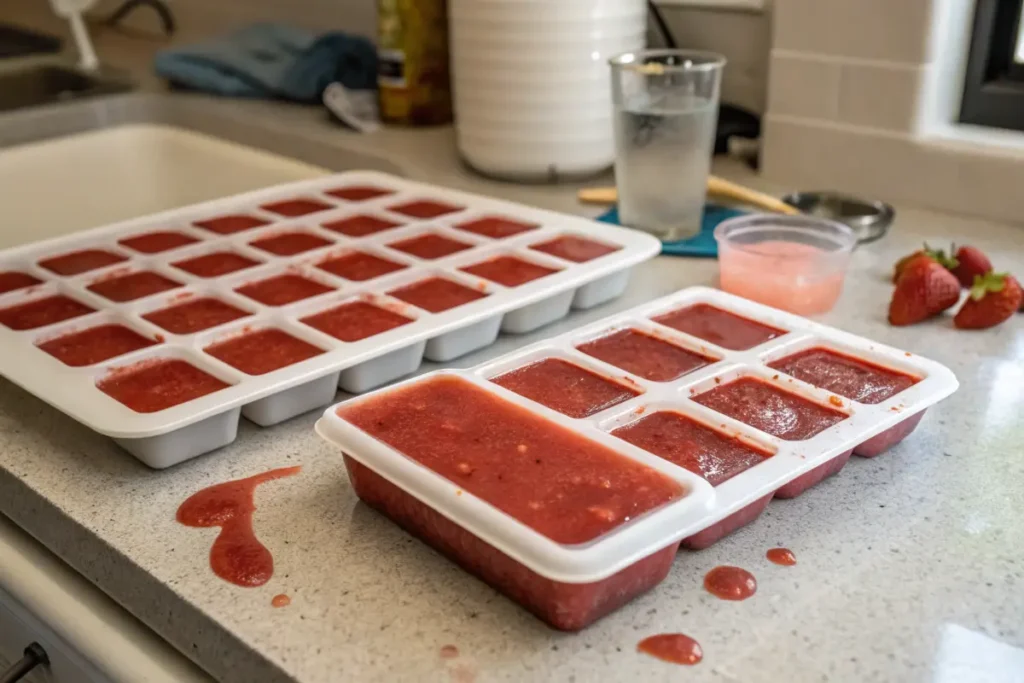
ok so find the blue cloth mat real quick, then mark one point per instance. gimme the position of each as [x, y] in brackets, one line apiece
[702, 244]
[272, 61]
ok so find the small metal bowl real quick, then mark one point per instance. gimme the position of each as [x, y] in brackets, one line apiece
[869, 219]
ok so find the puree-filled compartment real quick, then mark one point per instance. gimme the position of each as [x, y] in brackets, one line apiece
[12, 280]
[565, 387]
[283, 289]
[132, 286]
[229, 225]
[496, 227]
[360, 226]
[157, 242]
[437, 294]
[645, 355]
[300, 206]
[772, 410]
[95, 345]
[557, 482]
[574, 248]
[359, 266]
[153, 385]
[430, 246]
[262, 351]
[41, 312]
[424, 208]
[508, 271]
[685, 442]
[290, 243]
[355, 320]
[195, 315]
[82, 261]
[215, 264]
[720, 327]
[845, 375]
[359, 193]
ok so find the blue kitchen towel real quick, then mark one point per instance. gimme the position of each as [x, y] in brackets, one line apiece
[272, 61]
[703, 244]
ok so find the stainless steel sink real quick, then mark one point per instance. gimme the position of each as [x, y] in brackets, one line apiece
[42, 84]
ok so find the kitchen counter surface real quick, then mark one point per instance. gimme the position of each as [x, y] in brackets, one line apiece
[910, 565]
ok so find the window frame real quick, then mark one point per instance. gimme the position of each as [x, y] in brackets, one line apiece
[994, 82]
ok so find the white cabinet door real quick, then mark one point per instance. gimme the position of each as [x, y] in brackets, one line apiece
[87, 637]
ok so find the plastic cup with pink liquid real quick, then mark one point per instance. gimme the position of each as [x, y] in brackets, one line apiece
[796, 263]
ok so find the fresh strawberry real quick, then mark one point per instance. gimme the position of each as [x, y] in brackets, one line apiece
[926, 254]
[995, 297]
[902, 264]
[970, 263]
[925, 290]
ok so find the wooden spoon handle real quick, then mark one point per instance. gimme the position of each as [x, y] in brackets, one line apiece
[720, 187]
[716, 186]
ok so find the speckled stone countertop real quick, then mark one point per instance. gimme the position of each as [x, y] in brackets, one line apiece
[910, 568]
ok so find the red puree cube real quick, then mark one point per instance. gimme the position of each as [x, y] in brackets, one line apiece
[283, 289]
[291, 243]
[430, 246]
[13, 280]
[565, 387]
[215, 264]
[360, 226]
[81, 261]
[734, 522]
[358, 266]
[41, 312]
[496, 227]
[845, 375]
[508, 271]
[562, 485]
[258, 353]
[814, 476]
[95, 345]
[685, 442]
[424, 209]
[882, 442]
[644, 355]
[573, 248]
[228, 225]
[355, 320]
[300, 206]
[715, 456]
[150, 386]
[772, 410]
[195, 315]
[564, 606]
[358, 193]
[436, 294]
[719, 327]
[156, 242]
[133, 286]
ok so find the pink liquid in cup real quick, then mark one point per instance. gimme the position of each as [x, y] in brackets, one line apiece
[767, 259]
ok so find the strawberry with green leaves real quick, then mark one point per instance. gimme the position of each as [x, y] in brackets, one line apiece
[994, 298]
[971, 262]
[924, 289]
[923, 256]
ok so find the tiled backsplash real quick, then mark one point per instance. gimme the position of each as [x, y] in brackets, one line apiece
[862, 98]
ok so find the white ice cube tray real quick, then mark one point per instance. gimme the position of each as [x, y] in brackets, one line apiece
[164, 438]
[792, 467]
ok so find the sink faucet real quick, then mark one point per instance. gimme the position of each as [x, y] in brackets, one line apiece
[72, 10]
